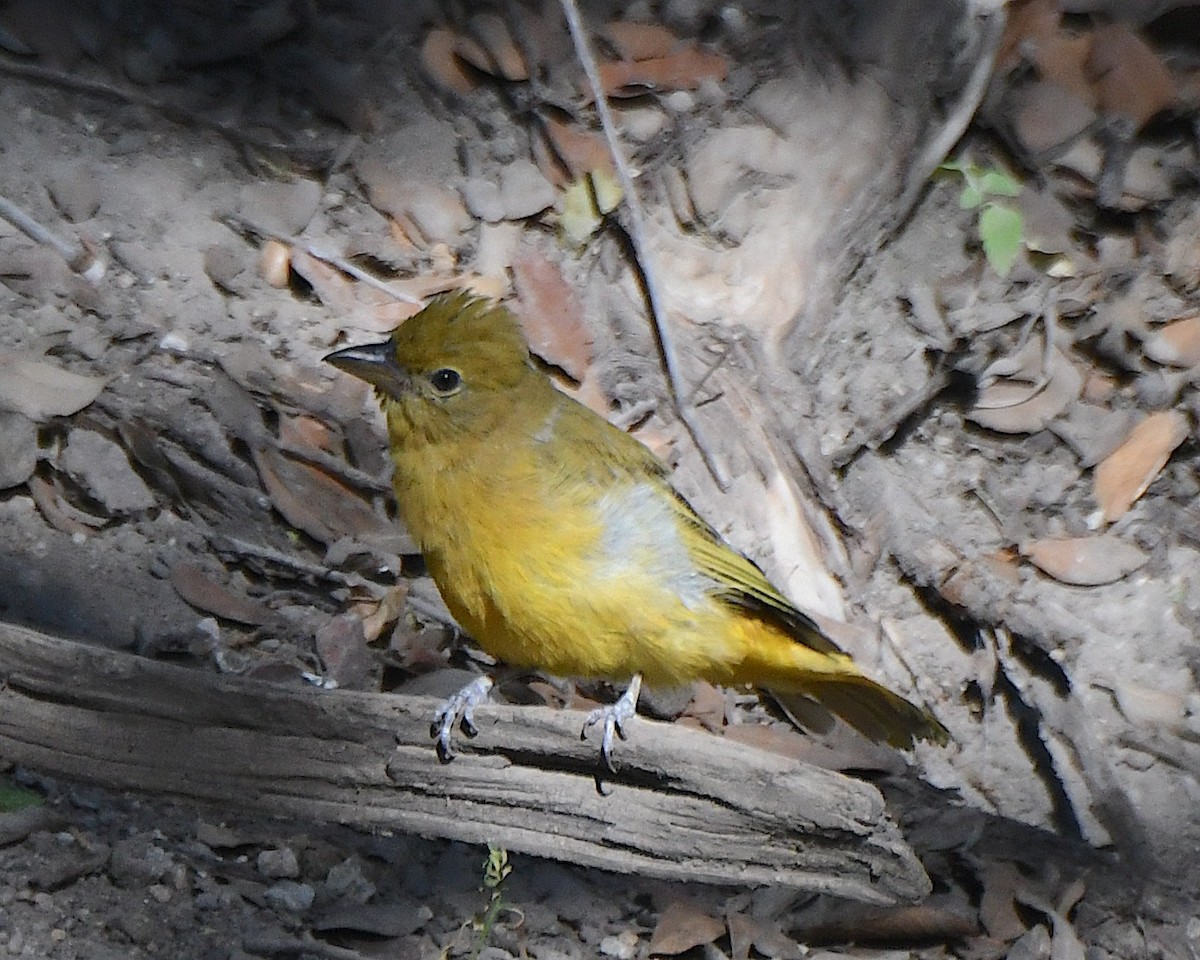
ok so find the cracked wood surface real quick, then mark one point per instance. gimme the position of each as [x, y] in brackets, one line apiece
[683, 805]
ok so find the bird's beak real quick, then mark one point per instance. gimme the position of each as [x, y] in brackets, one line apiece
[375, 363]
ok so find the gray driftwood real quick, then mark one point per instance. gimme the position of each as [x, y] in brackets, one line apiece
[683, 805]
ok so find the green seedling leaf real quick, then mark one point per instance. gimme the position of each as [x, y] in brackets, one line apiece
[495, 867]
[997, 183]
[1000, 229]
[970, 198]
[13, 798]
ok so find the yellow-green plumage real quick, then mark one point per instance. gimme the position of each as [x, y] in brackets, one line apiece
[558, 543]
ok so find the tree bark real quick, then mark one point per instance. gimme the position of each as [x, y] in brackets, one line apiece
[683, 805]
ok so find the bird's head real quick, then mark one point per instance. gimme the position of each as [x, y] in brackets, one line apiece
[452, 369]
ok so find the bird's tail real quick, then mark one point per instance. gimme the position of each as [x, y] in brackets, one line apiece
[873, 710]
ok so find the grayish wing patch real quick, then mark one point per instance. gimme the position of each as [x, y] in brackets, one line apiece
[642, 538]
[545, 433]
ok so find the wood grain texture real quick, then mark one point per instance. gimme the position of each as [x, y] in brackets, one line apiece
[683, 805]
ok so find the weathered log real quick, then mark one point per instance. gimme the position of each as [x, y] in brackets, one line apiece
[683, 805]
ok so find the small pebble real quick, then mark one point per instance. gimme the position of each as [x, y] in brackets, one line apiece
[290, 896]
[278, 864]
[174, 343]
[623, 946]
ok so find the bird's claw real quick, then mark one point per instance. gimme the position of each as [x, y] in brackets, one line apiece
[614, 717]
[458, 709]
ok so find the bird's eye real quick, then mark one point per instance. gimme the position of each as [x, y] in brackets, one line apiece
[445, 381]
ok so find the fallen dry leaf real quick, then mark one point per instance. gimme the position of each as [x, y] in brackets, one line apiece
[1061, 56]
[745, 932]
[998, 903]
[707, 707]
[551, 314]
[1028, 394]
[682, 70]
[591, 394]
[1003, 565]
[1177, 344]
[1027, 25]
[639, 41]
[1065, 944]
[311, 500]
[57, 512]
[342, 647]
[490, 36]
[1130, 78]
[581, 211]
[682, 926]
[1099, 386]
[330, 285]
[275, 263]
[1049, 223]
[40, 390]
[1124, 474]
[101, 467]
[304, 433]
[228, 268]
[386, 610]
[440, 62]
[1084, 561]
[208, 596]
[580, 151]
[1183, 254]
[547, 693]
[1148, 707]
[1049, 115]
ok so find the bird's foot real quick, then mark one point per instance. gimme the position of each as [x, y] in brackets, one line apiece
[460, 708]
[614, 718]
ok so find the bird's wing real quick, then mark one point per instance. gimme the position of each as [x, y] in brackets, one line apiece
[620, 459]
[743, 584]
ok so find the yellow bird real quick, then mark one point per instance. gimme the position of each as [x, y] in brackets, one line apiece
[559, 544]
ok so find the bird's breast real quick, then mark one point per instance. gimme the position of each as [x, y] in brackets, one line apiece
[548, 571]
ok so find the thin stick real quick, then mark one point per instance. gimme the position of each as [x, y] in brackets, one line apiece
[637, 238]
[79, 258]
[242, 225]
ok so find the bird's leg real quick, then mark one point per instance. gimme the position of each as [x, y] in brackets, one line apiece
[460, 707]
[613, 717]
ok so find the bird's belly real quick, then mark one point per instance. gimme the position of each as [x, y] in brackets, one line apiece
[580, 626]
[577, 583]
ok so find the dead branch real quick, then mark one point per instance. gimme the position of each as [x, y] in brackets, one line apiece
[636, 229]
[683, 805]
[79, 258]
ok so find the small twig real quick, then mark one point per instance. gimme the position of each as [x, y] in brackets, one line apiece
[79, 257]
[242, 225]
[308, 156]
[969, 98]
[637, 237]
[337, 467]
[266, 556]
